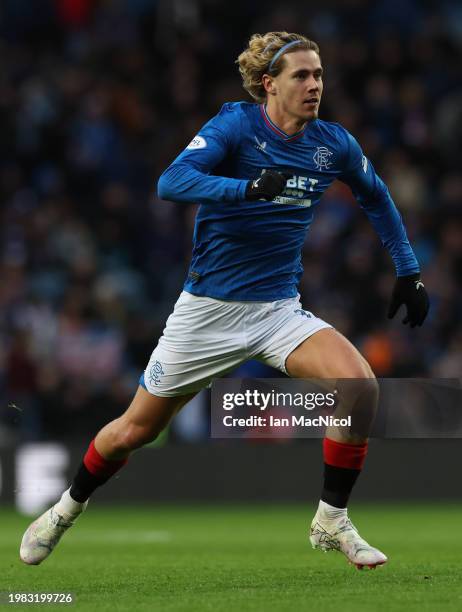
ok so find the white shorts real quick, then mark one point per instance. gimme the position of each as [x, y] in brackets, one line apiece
[205, 338]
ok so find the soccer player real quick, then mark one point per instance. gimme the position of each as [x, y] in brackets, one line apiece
[258, 171]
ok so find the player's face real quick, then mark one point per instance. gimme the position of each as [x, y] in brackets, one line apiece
[299, 85]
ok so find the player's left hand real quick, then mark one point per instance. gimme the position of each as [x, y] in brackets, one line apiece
[410, 291]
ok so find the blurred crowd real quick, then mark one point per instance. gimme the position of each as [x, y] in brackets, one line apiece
[96, 99]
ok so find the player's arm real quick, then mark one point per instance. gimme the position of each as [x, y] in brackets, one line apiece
[375, 199]
[188, 178]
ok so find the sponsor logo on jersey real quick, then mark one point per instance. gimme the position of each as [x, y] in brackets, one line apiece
[322, 158]
[304, 202]
[261, 146]
[198, 142]
[295, 191]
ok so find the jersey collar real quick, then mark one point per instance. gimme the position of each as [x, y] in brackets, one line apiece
[274, 128]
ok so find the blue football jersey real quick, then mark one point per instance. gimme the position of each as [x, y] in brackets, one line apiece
[251, 251]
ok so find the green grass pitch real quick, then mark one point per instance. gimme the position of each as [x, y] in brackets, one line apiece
[228, 558]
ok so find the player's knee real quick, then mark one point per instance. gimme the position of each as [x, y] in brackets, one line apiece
[352, 389]
[370, 385]
[370, 389]
[359, 389]
[357, 369]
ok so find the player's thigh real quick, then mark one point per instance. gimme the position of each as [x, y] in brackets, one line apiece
[327, 354]
[150, 413]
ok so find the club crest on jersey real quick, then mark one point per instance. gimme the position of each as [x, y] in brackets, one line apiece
[322, 158]
[198, 142]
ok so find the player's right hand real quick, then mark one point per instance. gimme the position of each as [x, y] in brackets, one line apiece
[267, 186]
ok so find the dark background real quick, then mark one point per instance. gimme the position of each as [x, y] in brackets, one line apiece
[98, 97]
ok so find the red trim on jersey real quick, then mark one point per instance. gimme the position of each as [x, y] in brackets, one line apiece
[274, 128]
[97, 465]
[343, 455]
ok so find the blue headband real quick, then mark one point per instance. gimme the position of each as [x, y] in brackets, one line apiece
[281, 51]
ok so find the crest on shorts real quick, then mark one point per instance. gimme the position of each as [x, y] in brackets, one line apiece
[155, 372]
[322, 158]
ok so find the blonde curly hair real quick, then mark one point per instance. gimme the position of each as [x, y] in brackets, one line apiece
[254, 61]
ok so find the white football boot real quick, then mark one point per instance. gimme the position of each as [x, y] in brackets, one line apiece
[339, 533]
[45, 532]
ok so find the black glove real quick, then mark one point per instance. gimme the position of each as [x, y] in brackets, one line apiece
[267, 186]
[410, 291]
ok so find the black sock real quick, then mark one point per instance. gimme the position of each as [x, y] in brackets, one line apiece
[84, 484]
[338, 484]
